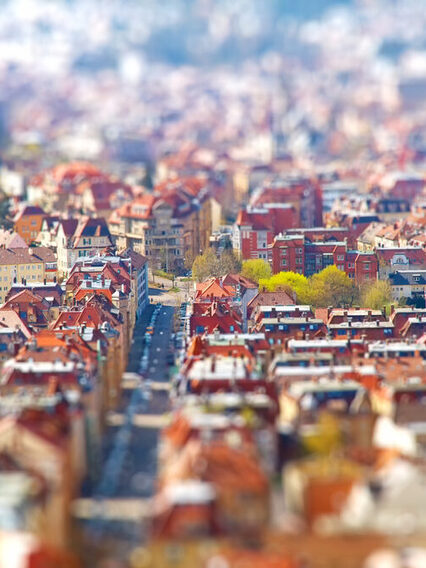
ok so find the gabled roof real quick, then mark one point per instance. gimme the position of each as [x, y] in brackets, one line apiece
[11, 240]
[10, 318]
[73, 171]
[222, 465]
[210, 323]
[68, 226]
[91, 227]
[28, 210]
[139, 208]
[104, 190]
[18, 256]
[408, 277]
[415, 255]
[257, 220]
[215, 289]
[44, 253]
[238, 279]
[52, 428]
[138, 260]
[25, 297]
[279, 298]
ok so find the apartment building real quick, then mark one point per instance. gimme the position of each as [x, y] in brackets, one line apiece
[18, 265]
[297, 253]
[168, 225]
[77, 239]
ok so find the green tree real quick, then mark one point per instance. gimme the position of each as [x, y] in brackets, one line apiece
[189, 260]
[209, 264]
[256, 269]
[205, 265]
[376, 295]
[331, 287]
[229, 262]
[288, 281]
[5, 221]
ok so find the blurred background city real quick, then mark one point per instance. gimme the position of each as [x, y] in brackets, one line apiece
[162, 402]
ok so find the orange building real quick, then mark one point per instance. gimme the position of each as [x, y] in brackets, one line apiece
[28, 221]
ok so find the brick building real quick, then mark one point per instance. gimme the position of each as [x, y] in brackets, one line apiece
[294, 252]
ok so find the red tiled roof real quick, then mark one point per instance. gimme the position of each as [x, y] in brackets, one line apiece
[214, 288]
[74, 170]
[415, 255]
[223, 323]
[237, 279]
[278, 298]
[257, 221]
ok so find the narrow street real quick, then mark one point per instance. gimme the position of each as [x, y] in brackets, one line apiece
[112, 513]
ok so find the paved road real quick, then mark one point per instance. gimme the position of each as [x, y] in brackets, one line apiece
[109, 513]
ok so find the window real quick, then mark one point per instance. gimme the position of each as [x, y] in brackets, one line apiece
[340, 257]
[367, 265]
[298, 260]
[341, 267]
[299, 251]
[284, 262]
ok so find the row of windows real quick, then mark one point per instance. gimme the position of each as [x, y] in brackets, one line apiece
[285, 327]
[23, 267]
[299, 261]
[298, 251]
[386, 331]
[26, 228]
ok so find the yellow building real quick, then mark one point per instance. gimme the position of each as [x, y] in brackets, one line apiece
[20, 264]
